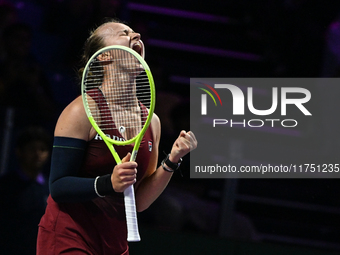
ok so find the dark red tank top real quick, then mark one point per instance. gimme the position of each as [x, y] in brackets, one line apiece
[99, 160]
[100, 223]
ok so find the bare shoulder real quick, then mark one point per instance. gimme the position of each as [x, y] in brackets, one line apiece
[73, 121]
[156, 127]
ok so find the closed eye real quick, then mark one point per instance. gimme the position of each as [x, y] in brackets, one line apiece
[127, 32]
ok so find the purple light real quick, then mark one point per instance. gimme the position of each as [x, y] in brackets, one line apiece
[204, 50]
[20, 5]
[178, 13]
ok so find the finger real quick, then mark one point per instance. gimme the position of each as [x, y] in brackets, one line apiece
[192, 135]
[182, 133]
[131, 177]
[126, 158]
[128, 178]
[189, 141]
[188, 135]
[128, 183]
[186, 139]
[128, 171]
[183, 143]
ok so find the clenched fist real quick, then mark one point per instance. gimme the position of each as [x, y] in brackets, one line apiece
[185, 143]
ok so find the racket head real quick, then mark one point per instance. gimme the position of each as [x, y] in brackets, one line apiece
[117, 81]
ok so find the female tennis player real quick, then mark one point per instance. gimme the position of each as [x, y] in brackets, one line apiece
[85, 214]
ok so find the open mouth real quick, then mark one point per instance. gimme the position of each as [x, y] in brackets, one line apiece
[138, 47]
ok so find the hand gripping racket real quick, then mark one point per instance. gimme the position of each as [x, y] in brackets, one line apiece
[119, 98]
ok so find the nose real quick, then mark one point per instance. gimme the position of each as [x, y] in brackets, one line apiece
[135, 36]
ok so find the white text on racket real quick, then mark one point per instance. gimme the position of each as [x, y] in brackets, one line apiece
[113, 137]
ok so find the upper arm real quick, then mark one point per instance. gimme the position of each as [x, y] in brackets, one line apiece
[73, 122]
[156, 127]
[72, 131]
[156, 132]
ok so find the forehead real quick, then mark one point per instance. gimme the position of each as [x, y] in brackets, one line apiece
[112, 28]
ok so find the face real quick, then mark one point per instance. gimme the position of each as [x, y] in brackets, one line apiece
[121, 34]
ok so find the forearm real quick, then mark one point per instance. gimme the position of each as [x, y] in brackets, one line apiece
[151, 187]
[65, 185]
[73, 189]
[78, 189]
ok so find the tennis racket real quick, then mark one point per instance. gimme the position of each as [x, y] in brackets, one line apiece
[119, 98]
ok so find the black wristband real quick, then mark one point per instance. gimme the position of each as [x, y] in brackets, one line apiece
[104, 185]
[173, 166]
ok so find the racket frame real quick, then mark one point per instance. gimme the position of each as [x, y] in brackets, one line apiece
[138, 138]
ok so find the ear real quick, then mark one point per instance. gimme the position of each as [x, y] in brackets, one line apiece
[106, 56]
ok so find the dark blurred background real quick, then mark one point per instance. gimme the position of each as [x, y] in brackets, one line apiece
[40, 47]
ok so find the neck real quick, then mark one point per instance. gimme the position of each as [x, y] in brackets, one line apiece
[120, 90]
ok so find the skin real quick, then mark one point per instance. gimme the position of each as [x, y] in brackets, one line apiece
[73, 122]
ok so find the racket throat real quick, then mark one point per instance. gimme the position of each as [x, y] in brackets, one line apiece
[134, 155]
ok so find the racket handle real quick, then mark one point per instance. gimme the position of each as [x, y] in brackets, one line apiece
[131, 215]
